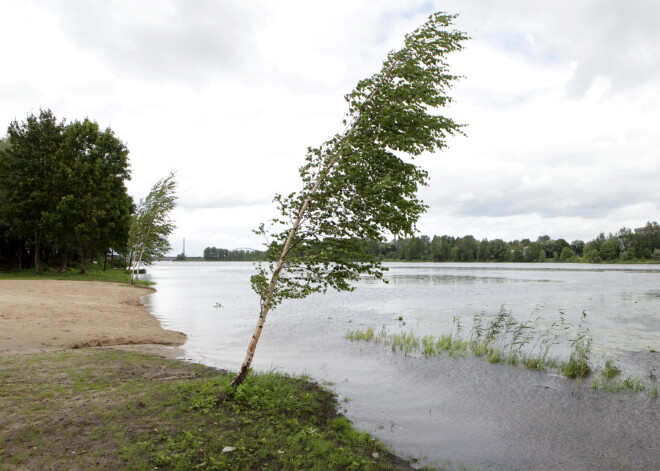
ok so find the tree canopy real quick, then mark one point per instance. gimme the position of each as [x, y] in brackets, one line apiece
[151, 224]
[626, 245]
[62, 190]
[358, 185]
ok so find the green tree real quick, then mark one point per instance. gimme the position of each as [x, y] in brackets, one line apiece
[591, 252]
[577, 246]
[566, 254]
[467, 248]
[26, 169]
[417, 248]
[647, 239]
[609, 250]
[517, 252]
[93, 211]
[484, 251]
[151, 225]
[500, 250]
[558, 246]
[440, 247]
[532, 252]
[355, 186]
[542, 256]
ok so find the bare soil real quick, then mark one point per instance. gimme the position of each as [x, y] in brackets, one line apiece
[49, 315]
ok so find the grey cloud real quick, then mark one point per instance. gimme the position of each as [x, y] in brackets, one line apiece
[576, 202]
[192, 202]
[176, 40]
[607, 38]
[577, 190]
[619, 43]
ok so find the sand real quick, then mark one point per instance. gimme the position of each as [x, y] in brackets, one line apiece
[49, 315]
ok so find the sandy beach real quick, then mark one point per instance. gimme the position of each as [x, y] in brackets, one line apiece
[48, 315]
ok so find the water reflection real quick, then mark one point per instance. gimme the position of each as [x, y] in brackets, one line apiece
[453, 279]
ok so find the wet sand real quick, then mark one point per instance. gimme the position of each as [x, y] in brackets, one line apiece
[49, 315]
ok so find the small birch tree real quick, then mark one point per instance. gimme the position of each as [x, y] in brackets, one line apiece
[357, 185]
[151, 225]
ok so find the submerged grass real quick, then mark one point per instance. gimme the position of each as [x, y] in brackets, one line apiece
[95, 409]
[504, 339]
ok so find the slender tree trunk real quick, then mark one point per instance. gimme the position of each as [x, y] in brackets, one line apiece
[83, 263]
[64, 257]
[105, 261]
[135, 268]
[131, 267]
[268, 298]
[19, 258]
[38, 267]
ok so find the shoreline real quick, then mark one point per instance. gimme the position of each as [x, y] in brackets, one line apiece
[51, 315]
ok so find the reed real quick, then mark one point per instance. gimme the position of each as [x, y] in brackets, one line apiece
[502, 338]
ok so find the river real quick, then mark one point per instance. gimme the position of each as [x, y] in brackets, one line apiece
[457, 413]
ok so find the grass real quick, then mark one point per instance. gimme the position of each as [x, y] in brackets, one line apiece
[103, 409]
[503, 339]
[610, 370]
[94, 273]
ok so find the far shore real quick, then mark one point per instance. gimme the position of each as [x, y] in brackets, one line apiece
[50, 315]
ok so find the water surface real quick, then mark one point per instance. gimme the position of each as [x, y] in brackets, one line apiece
[465, 412]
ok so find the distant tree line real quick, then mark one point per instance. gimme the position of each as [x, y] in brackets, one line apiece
[63, 197]
[627, 245]
[226, 255]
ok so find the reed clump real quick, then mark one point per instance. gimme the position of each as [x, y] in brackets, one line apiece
[504, 339]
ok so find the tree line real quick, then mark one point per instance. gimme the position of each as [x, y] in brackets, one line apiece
[63, 197]
[226, 255]
[627, 245]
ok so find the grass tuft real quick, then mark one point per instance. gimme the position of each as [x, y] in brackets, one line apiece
[503, 339]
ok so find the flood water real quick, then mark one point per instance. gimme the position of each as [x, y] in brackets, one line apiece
[457, 413]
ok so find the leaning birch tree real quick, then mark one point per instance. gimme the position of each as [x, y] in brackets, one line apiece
[360, 185]
[151, 225]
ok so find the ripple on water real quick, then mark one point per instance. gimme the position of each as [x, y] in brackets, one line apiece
[466, 411]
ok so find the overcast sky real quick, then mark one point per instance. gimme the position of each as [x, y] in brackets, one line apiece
[561, 100]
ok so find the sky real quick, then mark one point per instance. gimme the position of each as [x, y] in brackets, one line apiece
[561, 102]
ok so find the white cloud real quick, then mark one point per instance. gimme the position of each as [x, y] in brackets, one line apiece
[561, 101]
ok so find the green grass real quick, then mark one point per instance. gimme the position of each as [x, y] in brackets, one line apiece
[94, 273]
[103, 409]
[503, 339]
[610, 370]
[628, 384]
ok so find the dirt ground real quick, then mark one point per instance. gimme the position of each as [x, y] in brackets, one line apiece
[48, 315]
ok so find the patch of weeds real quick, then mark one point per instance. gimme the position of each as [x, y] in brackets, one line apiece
[502, 338]
[578, 365]
[366, 335]
[407, 342]
[610, 370]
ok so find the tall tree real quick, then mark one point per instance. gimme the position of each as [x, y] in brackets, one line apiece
[92, 213]
[26, 168]
[151, 225]
[356, 186]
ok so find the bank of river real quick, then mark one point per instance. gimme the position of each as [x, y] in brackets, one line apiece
[464, 410]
